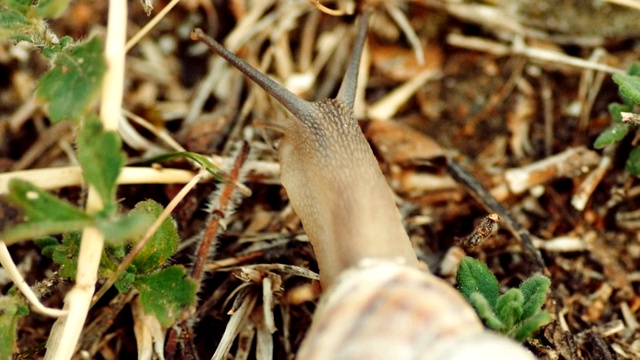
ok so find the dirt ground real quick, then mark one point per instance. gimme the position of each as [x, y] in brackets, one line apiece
[515, 91]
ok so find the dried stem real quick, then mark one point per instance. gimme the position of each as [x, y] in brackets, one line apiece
[66, 331]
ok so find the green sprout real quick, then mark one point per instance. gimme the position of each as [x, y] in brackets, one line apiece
[629, 89]
[515, 313]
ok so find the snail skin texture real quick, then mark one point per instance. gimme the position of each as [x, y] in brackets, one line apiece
[377, 304]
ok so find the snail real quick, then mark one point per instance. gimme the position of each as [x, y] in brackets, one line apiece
[377, 303]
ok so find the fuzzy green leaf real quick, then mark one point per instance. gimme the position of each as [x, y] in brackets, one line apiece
[162, 245]
[101, 158]
[634, 69]
[11, 310]
[51, 8]
[45, 213]
[633, 162]
[485, 311]
[475, 276]
[124, 282]
[509, 308]
[72, 85]
[66, 254]
[613, 133]
[11, 22]
[534, 291]
[166, 293]
[530, 326]
[629, 87]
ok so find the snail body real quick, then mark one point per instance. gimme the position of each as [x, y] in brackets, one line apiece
[377, 304]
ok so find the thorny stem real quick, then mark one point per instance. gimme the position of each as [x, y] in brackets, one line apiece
[218, 213]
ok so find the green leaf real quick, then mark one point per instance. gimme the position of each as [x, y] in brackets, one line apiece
[19, 5]
[633, 162]
[47, 245]
[202, 160]
[51, 8]
[530, 326]
[101, 158]
[166, 293]
[124, 282]
[32, 230]
[66, 254]
[615, 109]
[39, 205]
[485, 312]
[509, 308]
[162, 245]
[72, 85]
[45, 213]
[11, 310]
[474, 276]
[534, 291]
[634, 69]
[11, 21]
[124, 228]
[613, 133]
[629, 87]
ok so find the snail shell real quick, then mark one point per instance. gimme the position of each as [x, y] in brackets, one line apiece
[386, 310]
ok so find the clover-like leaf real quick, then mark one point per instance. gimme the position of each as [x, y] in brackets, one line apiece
[475, 276]
[166, 293]
[162, 245]
[71, 86]
[534, 292]
[101, 158]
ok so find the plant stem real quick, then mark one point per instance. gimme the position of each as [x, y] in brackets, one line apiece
[66, 330]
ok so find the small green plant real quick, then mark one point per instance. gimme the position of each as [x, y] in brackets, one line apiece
[515, 313]
[68, 91]
[629, 89]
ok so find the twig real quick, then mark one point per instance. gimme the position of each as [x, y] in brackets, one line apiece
[634, 4]
[520, 48]
[482, 195]
[11, 268]
[156, 19]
